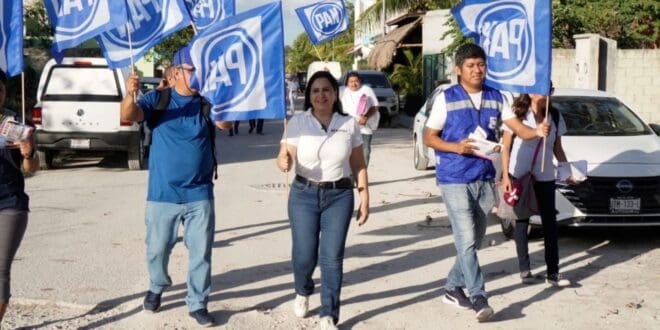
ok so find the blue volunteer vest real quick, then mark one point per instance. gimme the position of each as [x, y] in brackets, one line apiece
[462, 119]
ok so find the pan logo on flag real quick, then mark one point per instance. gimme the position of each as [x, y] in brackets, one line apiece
[327, 18]
[141, 18]
[506, 38]
[235, 75]
[82, 8]
[207, 12]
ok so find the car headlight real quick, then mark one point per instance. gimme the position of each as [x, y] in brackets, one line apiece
[391, 100]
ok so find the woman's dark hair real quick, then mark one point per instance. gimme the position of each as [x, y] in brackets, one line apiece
[353, 74]
[521, 105]
[335, 86]
[523, 101]
[3, 77]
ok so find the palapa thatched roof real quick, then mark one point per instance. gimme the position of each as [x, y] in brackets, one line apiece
[383, 53]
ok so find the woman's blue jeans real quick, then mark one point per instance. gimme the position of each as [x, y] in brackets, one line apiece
[319, 222]
[162, 220]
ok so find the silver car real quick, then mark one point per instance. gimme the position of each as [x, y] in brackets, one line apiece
[423, 156]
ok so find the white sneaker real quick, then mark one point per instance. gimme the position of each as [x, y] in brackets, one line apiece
[326, 323]
[300, 306]
[558, 281]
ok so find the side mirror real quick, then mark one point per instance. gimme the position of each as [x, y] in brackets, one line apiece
[656, 128]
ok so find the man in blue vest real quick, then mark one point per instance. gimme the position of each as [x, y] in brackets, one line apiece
[465, 180]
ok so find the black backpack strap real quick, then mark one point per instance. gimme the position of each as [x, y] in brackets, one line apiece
[161, 107]
[206, 115]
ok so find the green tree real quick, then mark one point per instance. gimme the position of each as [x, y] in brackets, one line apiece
[38, 30]
[373, 13]
[408, 76]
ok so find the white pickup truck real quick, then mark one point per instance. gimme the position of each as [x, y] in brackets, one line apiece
[78, 110]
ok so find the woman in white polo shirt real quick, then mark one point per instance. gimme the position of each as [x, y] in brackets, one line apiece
[327, 148]
[526, 156]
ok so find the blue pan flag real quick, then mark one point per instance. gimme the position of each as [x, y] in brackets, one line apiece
[148, 24]
[517, 38]
[206, 12]
[239, 65]
[75, 22]
[11, 37]
[324, 20]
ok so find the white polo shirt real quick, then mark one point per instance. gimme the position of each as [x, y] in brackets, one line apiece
[349, 101]
[522, 152]
[321, 155]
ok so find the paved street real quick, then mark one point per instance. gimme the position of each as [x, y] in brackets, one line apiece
[81, 264]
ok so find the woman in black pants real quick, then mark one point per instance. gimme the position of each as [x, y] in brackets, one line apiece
[524, 156]
[13, 200]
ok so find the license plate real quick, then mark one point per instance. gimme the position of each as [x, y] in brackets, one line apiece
[79, 143]
[625, 205]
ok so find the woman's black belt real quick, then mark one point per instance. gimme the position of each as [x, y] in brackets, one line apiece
[343, 183]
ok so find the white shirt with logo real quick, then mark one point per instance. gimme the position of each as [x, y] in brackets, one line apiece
[349, 101]
[323, 155]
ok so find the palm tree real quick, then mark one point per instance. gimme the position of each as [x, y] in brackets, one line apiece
[372, 15]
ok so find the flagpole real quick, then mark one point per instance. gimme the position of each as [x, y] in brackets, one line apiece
[547, 105]
[317, 52]
[287, 153]
[130, 48]
[23, 73]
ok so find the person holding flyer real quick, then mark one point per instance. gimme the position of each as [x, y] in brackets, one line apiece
[361, 102]
[16, 156]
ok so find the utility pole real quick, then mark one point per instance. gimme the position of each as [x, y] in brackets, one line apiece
[382, 18]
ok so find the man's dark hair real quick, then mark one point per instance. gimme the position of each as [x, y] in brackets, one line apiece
[467, 51]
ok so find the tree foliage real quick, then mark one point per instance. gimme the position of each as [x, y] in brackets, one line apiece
[632, 23]
[408, 75]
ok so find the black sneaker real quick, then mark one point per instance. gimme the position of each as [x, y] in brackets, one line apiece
[557, 280]
[526, 277]
[203, 317]
[457, 298]
[151, 302]
[480, 305]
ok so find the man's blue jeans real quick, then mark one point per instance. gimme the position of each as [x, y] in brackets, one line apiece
[162, 220]
[319, 221]
[467, 207]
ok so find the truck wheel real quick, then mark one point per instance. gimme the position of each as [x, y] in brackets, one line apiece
[46, 159]
[137, 157]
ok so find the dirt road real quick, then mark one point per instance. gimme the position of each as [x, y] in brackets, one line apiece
[81, 264]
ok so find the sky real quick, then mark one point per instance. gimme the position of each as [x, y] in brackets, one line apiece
[292, 26]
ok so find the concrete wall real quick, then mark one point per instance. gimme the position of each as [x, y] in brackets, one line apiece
[563, 68]
[636, 78]
[637, 81]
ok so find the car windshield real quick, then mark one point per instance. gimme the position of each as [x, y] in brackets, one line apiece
[375, 81]
[598, 116]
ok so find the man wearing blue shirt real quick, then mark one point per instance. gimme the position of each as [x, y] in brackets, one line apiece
[181, 168]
